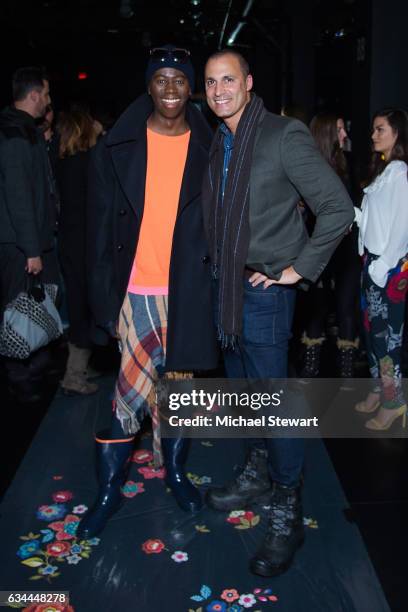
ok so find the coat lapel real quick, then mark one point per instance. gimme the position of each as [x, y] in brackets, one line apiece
[130, 161]
[193, 173]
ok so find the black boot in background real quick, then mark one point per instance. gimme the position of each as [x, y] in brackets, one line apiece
[252, 484]
[311, 357]
[347, 352]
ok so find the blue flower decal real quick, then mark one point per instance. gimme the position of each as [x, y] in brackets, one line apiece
[216, 606]
[28, 549]
[48, 535]
[76, 549]
[48, 570]
[52, 512]
[94, 541]
[71, 528]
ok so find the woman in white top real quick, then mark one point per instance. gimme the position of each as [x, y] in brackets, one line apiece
[383, 241]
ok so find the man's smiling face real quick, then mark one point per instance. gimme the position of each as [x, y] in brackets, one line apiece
[170, 91]
[227, 88]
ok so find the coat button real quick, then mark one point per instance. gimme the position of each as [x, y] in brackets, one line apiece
[122, 212]
[205, 259]
[120, 247]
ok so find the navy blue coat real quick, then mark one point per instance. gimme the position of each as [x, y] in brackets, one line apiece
[115, 208]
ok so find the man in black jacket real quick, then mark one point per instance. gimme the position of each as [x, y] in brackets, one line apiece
[148, 262]
[27, 214]
[261, 165]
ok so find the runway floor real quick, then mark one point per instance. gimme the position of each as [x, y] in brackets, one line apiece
[152, 557]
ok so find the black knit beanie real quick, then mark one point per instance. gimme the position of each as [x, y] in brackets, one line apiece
[169, 62]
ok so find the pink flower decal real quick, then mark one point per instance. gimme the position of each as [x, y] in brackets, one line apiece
[142, 456]
[247, 600]
[149, 472]
[81, 509]
[230, 595]
[152, 546]
[179, 556]
[62, 496]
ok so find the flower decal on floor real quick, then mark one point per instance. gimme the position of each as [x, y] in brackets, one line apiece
[47, 550]
[62, 496]
[202, 528]
[142, 456]
[230, 595]
[179, 556]
[311, 523]
[27, 550]
[247, 600]
[156, 546]
[153, 546]
[131, 488]
[243, 520]
[81, 509]
[230, 600]
[150, 472]
[58, 549]
[54, 511]
[66, 529]
[54, 607]
[198, 480]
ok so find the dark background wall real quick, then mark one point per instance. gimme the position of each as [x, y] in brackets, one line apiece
[306, 55]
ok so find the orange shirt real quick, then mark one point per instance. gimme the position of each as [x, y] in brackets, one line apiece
[166, 159]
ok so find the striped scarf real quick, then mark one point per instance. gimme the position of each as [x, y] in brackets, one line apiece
[227, 219]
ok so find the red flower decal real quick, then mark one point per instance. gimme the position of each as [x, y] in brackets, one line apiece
[149, 472]
[142, 456]
[66, 529]
[58, 549]
[46, 607]
[62, 496]
[152, 546]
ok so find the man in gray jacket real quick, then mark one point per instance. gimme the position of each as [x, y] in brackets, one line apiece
[261, 165]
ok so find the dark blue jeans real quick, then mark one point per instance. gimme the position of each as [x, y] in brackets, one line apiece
[262, 352]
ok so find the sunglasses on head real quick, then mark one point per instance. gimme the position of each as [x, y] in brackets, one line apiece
[178, 56]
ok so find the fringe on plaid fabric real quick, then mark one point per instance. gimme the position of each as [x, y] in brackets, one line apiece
[143, 333]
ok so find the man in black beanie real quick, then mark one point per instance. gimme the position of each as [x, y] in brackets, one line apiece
[149, 275]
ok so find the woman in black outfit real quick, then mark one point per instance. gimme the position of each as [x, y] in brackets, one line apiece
[77, 136]
[344, 268]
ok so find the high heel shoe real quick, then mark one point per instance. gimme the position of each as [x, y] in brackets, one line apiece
[364, 408]
[375, 425]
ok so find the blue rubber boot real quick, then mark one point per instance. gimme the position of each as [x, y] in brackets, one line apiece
[175, 451]
[112, 466]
